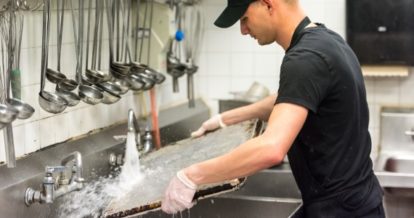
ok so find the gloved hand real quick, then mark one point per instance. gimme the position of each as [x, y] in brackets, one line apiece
[179, 194]
[211, 124]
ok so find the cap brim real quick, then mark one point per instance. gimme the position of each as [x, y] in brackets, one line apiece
[230, 16]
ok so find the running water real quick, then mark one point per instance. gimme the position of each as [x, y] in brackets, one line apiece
[93, 198]
[131, 171]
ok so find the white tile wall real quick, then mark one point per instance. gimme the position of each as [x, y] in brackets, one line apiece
[248, 62]
[44, 129]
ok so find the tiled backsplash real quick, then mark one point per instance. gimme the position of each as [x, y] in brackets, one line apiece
[229, 62]
[44, 129]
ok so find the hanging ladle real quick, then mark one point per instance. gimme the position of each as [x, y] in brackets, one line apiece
[87, 93]
[55, 76]
[64, 87]
[110, 90]
[48, 101]
[118, 71]
[16, 27]
[147, 74]
[118, 68]
[92, 75]
[65, 84]
[7, 115]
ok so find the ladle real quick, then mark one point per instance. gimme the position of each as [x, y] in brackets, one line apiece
[117, 69]
[109, 97]
[110, 88]
[87, 93]
[48, 101]
[193, 26]
[174, 66]
[7, 115]
[140, 78]
[24, 110]
[92, 75]
[156, 76]
[98, 21]
[55, 76]
[122, 84]
[64, 84]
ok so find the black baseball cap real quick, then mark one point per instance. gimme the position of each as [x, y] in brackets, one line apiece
[232, 13]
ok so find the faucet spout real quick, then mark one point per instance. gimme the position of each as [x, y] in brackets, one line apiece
[77, 169]
[133, 126]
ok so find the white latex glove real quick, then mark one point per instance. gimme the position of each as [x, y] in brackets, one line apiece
[213, 123]
[179, 194]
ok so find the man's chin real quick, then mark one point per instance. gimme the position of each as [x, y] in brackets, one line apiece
[263, 42]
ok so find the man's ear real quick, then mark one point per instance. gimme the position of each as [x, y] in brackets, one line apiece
[269, 4]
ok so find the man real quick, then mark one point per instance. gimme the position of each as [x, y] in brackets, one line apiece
[319, 119]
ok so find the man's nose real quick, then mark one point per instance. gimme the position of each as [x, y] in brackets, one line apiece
[243, 28]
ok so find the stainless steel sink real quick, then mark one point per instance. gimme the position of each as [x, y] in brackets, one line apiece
[236, 207]
[269, 193]
[270, 183]
[403, 164]
[398, 176]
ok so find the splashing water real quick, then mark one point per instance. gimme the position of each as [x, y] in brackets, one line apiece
[131, 171]
[91, 200]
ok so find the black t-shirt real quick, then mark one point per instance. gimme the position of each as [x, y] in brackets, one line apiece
[331, 154]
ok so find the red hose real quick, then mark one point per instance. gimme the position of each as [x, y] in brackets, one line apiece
[154, 117]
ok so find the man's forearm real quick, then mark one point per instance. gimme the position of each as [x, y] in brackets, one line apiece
[260, 110]
[254, 155]
[261, 152]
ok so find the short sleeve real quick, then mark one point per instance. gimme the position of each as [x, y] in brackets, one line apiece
[304, 80]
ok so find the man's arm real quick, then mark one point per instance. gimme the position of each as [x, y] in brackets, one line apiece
[260, 110]
[266, 150]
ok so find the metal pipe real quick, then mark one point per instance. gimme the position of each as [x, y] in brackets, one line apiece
[190, 90]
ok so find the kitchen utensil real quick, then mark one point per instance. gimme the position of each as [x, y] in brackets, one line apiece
[48, 101]
[64, 84]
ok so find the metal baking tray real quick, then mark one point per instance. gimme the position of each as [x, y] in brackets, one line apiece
[165, 162]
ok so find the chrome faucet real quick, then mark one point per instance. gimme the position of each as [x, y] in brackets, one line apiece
[52, 189]
[134, 127]
[148, 145]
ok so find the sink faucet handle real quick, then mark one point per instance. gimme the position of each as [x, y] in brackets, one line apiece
[55, 169]
[410, 133]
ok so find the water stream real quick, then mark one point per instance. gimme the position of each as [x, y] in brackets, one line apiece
[90, 201]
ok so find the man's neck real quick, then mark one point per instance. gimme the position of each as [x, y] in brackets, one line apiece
[290, 27]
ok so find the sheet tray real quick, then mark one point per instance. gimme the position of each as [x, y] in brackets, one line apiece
[165, 162]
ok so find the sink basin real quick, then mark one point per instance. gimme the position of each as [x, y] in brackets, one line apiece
[403, 164]
[236, 207]
[268, 193]
[397, 176]
[270, 183]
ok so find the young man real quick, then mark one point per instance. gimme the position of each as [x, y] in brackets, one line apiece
[319, 118]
